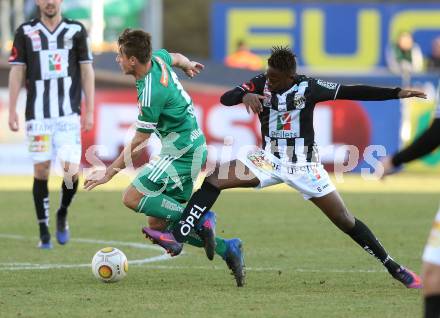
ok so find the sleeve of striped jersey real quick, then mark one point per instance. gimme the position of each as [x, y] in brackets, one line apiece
[164, 55]
[83, 49]
[322, 90]
[364, 92]
[255, 85]
[18, 51]
[235, 95]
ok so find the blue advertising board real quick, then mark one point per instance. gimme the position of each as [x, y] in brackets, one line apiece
[336, 36]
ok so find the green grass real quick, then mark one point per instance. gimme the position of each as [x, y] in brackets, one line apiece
[299, 265]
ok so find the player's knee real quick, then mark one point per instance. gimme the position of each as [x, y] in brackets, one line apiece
[431, 278]
[213, 181]
[130, 201]
[41, 170]
[344, 220]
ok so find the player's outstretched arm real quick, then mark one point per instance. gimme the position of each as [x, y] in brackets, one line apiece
[191, 68]
[125, 159]
[423, 145]
[365, 92]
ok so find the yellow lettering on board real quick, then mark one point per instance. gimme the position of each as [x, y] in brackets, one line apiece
[414, 20]
[240, 22]
[368, 43]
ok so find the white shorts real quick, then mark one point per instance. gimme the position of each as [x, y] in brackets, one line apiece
[310, 179]
[431, 254]
[58, 138]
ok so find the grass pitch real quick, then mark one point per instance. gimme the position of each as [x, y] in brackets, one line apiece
[299, 265]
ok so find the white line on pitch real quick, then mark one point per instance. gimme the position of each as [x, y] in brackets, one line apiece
[163, 257]
[28, 266]
[268, 269]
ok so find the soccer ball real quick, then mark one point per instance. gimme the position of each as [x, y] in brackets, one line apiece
[109, 265]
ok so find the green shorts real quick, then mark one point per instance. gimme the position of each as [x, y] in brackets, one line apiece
[171, 176]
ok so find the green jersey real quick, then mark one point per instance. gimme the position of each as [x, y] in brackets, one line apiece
[166, 109]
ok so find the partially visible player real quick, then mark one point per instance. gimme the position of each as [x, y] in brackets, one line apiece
[423, 145]
[284, 102]
[166, 182]
[52, 57]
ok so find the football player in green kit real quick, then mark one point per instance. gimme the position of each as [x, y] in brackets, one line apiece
[166, 182]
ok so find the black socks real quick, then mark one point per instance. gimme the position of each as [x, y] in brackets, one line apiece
[432, 306]
[66, 198]
[362, 235]
[201, 201]
[40, 193]
[41, 202]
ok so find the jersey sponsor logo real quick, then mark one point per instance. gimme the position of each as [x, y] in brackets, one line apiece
[191, 111]
[284, 127]
[314, 174]
[261, 162]
[34, 34]
[39, 143]
[284, 121]
[283, 134]
[169, 205]
[298, 169]
[194, 215]
[145, 125]
[250, 87]
[329, 85]
[164, 77]
[54, 63]
[299, 101]
[195, 134]
[39, 127]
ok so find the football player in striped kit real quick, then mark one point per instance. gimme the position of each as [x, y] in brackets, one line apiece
[284, 102]
[51, 55]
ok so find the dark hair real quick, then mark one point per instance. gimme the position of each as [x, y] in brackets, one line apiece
[136, 43]
[282, 58]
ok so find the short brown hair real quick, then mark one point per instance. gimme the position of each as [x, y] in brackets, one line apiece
[136, 43]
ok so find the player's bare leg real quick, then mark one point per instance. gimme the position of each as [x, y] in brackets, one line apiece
[228, 176]
[40, 193]
[334, 208]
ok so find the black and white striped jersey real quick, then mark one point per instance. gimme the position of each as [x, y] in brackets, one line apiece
[53, 77]
[287, 118]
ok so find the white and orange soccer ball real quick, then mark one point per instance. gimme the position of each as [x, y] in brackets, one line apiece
[109, 265]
